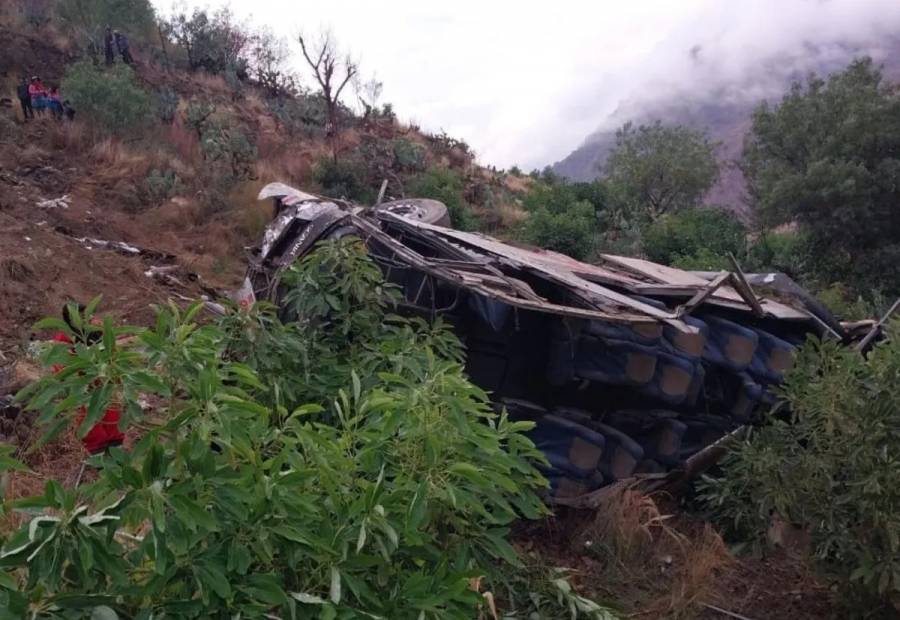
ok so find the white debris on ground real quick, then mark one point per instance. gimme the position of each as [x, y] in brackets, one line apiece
[54, 203]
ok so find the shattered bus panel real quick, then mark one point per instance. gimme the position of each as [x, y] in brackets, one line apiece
[626, 367]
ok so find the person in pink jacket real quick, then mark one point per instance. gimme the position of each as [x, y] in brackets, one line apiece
[38, 93]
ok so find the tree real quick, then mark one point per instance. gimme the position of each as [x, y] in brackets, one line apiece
[215, 43]
[89, 18]
[331, 72]
[368, 93]
[269, 56]
[656, 169]
[828, 158]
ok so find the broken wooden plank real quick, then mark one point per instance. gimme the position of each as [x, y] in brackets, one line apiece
[701, 296]
[740, 284]
[862, 344]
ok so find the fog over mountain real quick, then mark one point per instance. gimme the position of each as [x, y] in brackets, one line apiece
[712, 73]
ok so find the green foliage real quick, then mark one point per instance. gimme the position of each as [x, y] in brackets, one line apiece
[109, 98]
[848, 306]
[345, 178]
[515, 171]
[161, 185]
[695, 239]
[827, 157]
[198, 115]
[302, 116]
[227, 147]
[571, 231]
[832, 468]
[787, 252]
[564, 216]
[380, 488]
[447, 186]
[656, 169]
[167, 105]
[212, 42]
[230, 149]
[557, 196]
[89, 19]
[408, 156]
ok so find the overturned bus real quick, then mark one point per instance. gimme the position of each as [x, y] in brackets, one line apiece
[628, 368]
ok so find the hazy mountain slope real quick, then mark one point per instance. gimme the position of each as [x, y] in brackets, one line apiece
[723, 110]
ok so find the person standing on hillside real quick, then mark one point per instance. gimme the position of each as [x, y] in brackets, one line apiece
[108, 46]
[25, 99]
[38, 94]
[122, 46]
[54, 102]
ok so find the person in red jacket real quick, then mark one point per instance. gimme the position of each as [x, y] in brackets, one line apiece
[38, 93]
[105, 433]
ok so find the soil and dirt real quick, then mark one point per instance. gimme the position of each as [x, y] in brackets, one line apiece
[646, 564]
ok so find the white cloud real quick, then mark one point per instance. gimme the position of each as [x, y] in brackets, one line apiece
[525, 82]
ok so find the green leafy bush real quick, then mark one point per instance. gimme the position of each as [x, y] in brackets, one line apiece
[231, 149]
[695, 239]
[337, 465]
[161, 184]
[571, 231]
[302, 116]
[345, 178]
[408, 156]
[447, 186]
[167, 105]
[787, 252]
[198, 115]
[109, 98]
[831, 468]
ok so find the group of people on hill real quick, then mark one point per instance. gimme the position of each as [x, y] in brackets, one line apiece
[114, 41]
[36, 100]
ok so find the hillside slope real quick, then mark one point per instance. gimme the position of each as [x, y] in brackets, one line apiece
[195, 233]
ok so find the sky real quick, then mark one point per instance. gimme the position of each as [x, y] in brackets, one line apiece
[525, 82]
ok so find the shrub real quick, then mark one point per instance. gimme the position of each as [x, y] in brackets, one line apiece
[212, 42]
[303, 115]
[408, 156]
[787, 252]
[345, 178]
[109, 98]
[167, 105]
[231, 149]
[198, 115]
[445, 185]
[571, 231]
[695, 238]
[831, 468]
[161, 185]
[335, 466]
[848, 306]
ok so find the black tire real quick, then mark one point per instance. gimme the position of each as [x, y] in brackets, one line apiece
[419, 209]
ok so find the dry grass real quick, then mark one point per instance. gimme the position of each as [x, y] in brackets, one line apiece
[632, 552]
[290, 166]
[70, 137]
[33, 155]
[116, 160]
[182, 141]
[210, 83]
